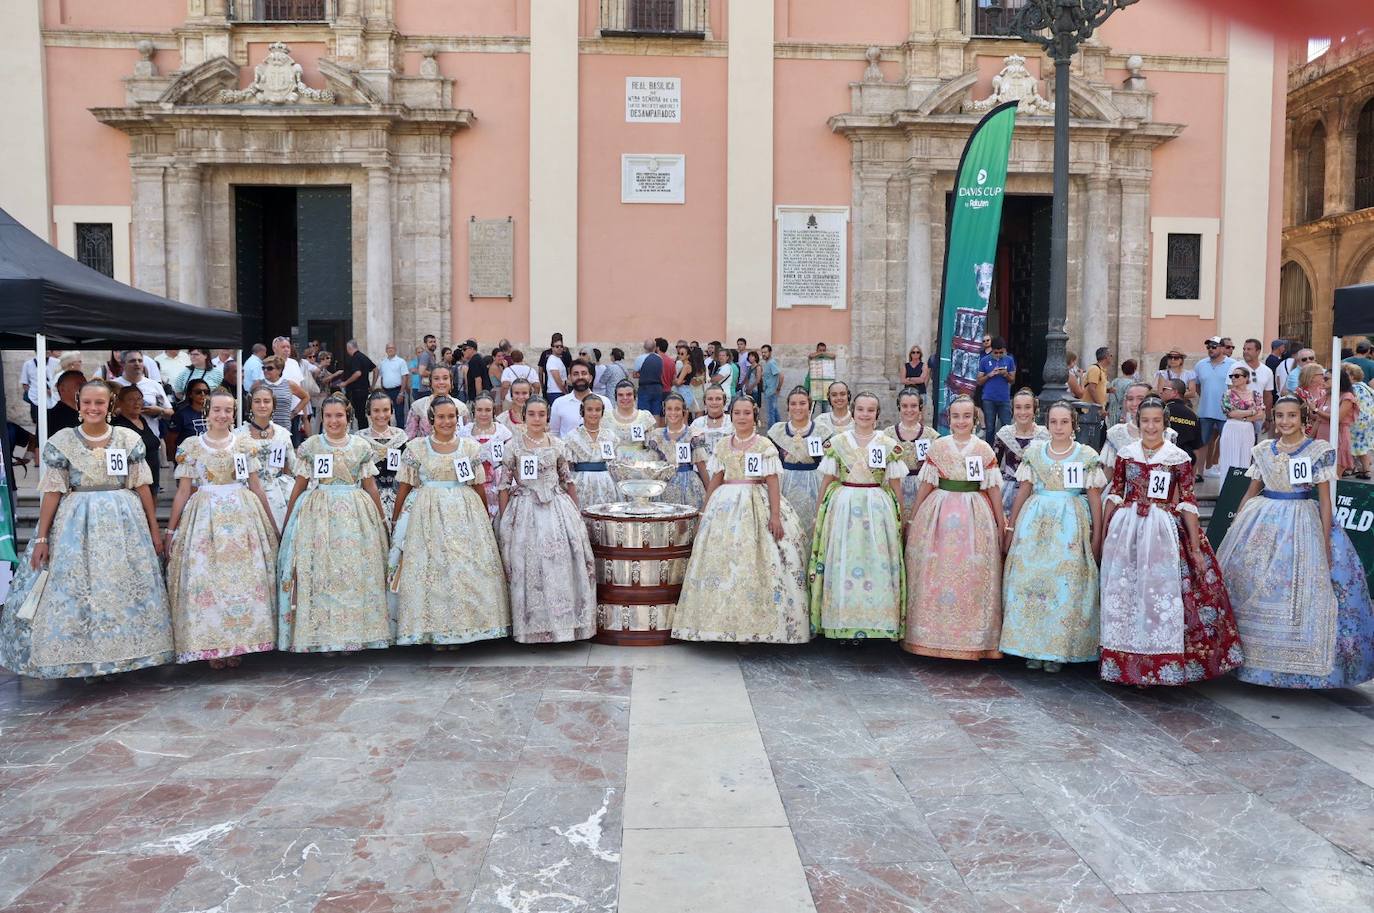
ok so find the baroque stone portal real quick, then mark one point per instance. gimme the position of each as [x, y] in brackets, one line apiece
[277, 81]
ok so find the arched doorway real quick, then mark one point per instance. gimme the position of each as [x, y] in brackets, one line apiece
[1295, 303]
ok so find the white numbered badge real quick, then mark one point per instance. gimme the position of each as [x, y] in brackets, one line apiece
[241, 467]
[498, 451]
[1159, 484]
[753, 465]
[1073, 475]
[922, 448]
[529, 468]
[637, 432]
[117, 462]
[877, 456]
[1299, 470]
[815, 447]
[684, 452]
[323, 466]
[462, 468]
[393, 459]
[607, 450]
[973, 468]
[276, 457]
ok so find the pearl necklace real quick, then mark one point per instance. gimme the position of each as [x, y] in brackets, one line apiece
[333, 443]
[542, 441]
[1049, 448]
[227, 441]
[96, 438]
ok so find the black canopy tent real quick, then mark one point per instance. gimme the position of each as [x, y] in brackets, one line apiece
[47, 298]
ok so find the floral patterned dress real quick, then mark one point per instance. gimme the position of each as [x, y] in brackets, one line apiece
[382, 445]
[801, 479]
[913, 454]
[444, 568]
[1164, 621]
[544, 546]
[1010, 449]
[711, 431]
[954, 557]
[1362, 432]
[492, 451]
[857, 575]
[641, 424]
[222, 573]
[95, 616]
[276, 462]
[827, 426]
[588, 460]
[741, 584]
[685, 487]
[1049, 584]
[417, 416]
[1305, 623]
[1238, 434]
[332, 561]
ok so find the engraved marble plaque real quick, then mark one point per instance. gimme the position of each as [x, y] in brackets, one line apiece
[811, 255]
[491, 258]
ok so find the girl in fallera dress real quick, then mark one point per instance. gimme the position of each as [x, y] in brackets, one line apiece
[1049, 585]
[222, 546]
[491, 437]
[746, 579]
[591, 449]
[714, 426]
[839, 418]
[332, 562]
[388, 442]
[857, 575]
[801, 449]
[441, 384]
[688, 484]
[630, 424]
[444, 567]
[915, 437]
[954, 546]
[544, 545]
[1166, 616]
[1011, 441]
[272, 451]
[102, 607]
[512, 418]
[1296, 584]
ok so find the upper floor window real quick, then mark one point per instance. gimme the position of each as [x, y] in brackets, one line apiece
[663, 18]
[994, 18]
[1314, 176]
[95, 246]
[1364, 157]
[282, 10]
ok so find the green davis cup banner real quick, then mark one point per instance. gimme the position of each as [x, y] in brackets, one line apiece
[974, 223]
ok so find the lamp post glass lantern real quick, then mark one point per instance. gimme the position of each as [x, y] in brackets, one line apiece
[1060, 26]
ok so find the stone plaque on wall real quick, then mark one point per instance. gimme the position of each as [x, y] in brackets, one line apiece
[491, 258]
[653, 100]
[811, 254]
[653, 178]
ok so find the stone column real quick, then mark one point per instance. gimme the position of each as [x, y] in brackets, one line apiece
[378, 328]
[191, 260]
[1134, 261]
[150, 229]
[1094, 306]
[920, 303]
[869, 317]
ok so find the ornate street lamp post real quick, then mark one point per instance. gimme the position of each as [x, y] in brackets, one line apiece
[1060, 26]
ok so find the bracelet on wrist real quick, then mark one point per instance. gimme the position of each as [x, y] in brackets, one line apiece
[40, 540]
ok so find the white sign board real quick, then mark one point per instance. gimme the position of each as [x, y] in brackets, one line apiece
[653, 100]
[653, 178]
[812, 255]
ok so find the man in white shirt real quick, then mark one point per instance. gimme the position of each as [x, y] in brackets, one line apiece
[37, 391]
[1261, 379]
[291, 371]
[156, 406]
[565, 415]
[518, 370]
[170, 363]
[393, 375]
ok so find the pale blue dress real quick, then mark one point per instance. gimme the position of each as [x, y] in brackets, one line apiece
[104, 608]
[1049, 580]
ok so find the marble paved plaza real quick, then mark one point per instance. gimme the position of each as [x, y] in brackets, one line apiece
[503, 779]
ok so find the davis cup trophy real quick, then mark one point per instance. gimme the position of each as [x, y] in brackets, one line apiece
[641, 549]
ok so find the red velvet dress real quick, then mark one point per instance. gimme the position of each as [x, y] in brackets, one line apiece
[1164, 620]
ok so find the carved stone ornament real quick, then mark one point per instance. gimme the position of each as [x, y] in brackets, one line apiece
[1014, 83]
[873, 72]
[277, 81]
